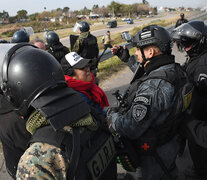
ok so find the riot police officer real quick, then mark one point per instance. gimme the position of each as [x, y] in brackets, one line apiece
[20, 36]
[69, 139]
[192, 36]
[181, 21]
[85, 44]
[54, 46]
[150, 109]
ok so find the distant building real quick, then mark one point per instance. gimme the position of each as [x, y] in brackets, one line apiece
[161, 9]
[57, 19]
[93, 15]
[82, 17]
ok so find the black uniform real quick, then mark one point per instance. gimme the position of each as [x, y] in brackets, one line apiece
[193, 35]
[196, 130]
[151, 107]
[13, 135]
[58, 50]
[180, 21]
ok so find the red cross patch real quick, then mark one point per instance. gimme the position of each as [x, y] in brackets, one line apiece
[145, 146]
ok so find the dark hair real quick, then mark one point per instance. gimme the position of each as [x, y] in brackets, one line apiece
[108, 31]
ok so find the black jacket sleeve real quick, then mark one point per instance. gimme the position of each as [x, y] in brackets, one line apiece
[196, 131]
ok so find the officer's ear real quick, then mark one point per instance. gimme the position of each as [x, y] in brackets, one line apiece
[154, 51]
[149, 52]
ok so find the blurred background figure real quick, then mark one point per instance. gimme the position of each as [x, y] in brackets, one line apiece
[39, 43]
[107, 40]
[54, 46]
[181, 20]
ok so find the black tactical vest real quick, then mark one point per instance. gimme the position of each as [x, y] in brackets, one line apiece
[183, 95]
[88, 47]
[97, 158]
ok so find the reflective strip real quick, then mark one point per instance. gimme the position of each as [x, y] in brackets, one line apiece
[146, 34]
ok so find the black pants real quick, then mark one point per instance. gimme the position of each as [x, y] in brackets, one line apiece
[14, 138]
[107, 46]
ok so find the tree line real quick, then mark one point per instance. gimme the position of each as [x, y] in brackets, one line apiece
[113, 9]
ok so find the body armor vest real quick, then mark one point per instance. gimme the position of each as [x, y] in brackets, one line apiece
[88, 47]
[97, 158]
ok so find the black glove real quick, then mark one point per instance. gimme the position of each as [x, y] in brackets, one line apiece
[123, 54]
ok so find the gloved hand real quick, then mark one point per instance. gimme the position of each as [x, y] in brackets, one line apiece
[121, 52]
[111, 110]
[109, 113]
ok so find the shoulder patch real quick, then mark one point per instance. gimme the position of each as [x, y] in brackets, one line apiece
[202, 77]
[146, 100]
[139, 111]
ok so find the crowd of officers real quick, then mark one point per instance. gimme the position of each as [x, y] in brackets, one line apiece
[51, 128]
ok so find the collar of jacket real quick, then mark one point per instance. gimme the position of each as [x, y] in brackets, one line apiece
[203, 50]
[158, 61]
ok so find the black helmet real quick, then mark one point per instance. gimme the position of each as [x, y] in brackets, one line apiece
[4, 41]
[20, 36]
[27, 73]
[83, 26]
[153, 35]
[191, 33]
[182, 15]
[52, 38]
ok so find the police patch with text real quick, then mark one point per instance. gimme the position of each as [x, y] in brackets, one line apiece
[100, 161]
[143, 99]
[140, 107]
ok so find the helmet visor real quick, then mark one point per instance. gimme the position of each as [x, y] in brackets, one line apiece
[186, 30]
[45, 35]
[28, 30]
[186, 42]
[76, 27]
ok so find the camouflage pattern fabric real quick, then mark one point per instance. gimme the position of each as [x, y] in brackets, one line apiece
[79, 41]
[42, 161]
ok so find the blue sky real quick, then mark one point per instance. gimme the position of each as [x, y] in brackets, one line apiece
[32, 6]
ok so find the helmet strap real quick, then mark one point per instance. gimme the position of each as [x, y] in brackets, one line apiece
[143, 57]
